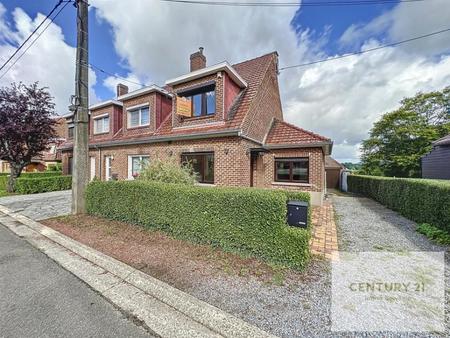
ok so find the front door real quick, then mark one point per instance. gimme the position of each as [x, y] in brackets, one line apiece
[92, 167]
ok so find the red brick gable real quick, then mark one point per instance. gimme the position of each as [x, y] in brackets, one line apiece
[285, 133]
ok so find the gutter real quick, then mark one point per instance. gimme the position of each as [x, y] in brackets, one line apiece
[159, 139]
[326, 146]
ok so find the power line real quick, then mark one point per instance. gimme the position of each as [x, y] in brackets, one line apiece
[292, 4]
[32, 33]
[367, 50]
[32, 43]
[93, 67]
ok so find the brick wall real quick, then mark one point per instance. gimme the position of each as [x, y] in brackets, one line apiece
[264, 173]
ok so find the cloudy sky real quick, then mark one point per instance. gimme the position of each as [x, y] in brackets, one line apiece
[149, 41]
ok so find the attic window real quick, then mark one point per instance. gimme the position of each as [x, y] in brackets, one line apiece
[202, 100]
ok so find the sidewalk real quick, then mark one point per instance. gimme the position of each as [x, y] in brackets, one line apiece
[164, 310]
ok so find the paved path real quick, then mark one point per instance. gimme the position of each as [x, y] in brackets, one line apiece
[38, 298]
[40, 206]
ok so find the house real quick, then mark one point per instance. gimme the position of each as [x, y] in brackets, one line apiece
[333, 170]
[49, 157]
[436, 164]
[225, 119]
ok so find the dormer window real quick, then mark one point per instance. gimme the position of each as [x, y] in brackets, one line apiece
[101, 124]
[202, 100]
[138, 116]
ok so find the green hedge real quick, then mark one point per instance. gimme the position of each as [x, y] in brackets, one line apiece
[248, 221]
[43, 184]
[423, 201]
[37, 174]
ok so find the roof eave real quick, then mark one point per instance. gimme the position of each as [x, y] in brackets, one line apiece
[142, 91]
[224, 66]
[158, 139]
[327, 146]
[104, 104]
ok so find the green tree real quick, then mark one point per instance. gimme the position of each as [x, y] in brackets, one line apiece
[400, 138]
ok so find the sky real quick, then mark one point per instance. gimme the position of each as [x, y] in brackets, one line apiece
[149, 41]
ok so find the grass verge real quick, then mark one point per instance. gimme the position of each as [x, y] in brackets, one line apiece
[434, 233]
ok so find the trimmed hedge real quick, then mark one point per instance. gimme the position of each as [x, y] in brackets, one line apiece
[421, 200]
[37, 174]
[243, 220]
[43, 184]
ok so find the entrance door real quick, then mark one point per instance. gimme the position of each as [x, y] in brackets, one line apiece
[92, 167]
[108, 168]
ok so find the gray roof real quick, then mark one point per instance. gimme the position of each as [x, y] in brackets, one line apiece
[442, 141]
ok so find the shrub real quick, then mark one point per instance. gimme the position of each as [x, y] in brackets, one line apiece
[434, 233]
[167, 172]
[38, 174]
[54, 167]
[43, 184]
[244, 220]
[423, 201]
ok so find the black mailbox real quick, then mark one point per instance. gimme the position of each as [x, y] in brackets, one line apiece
[297, 213]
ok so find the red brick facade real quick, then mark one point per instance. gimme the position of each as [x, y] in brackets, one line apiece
[246, 134]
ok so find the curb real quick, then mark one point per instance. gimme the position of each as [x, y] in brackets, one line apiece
[165, 310]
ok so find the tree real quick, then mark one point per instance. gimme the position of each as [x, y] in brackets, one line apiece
[26, 126]
[400, 138]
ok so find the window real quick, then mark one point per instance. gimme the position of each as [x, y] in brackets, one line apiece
[203, 165]
[203, 101]
[70, 131]
[135, 164]
[139, 117]
[70, 166]
[292, 170]
[101, 125]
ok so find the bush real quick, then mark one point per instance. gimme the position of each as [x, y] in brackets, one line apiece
[168, 172]
[39, 174]
[423, 201]
[433, 233]
[243, 220]
[54, 167]
[43, 184]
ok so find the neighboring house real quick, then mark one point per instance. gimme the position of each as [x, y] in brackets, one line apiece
[51, 156]
[226, 120]
[436, 164]
[333, 171]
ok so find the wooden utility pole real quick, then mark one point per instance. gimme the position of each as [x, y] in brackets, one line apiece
[80, 176]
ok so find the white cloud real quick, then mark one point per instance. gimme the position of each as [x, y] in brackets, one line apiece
[51, 61]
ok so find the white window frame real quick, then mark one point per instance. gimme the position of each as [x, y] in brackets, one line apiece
[130, 163]
[102, 117]
[139, 109]
[91, 167]
[108, 168]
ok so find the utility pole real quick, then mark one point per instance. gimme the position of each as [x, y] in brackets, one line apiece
[80, 107]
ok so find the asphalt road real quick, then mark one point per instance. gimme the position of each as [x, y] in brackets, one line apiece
[38, 298]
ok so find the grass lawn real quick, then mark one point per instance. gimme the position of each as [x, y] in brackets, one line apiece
[3, 193]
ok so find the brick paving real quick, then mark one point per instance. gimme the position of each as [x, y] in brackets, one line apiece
[324, 235]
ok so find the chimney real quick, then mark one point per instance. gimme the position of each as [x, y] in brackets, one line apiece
[198, 60]
[121, 89]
